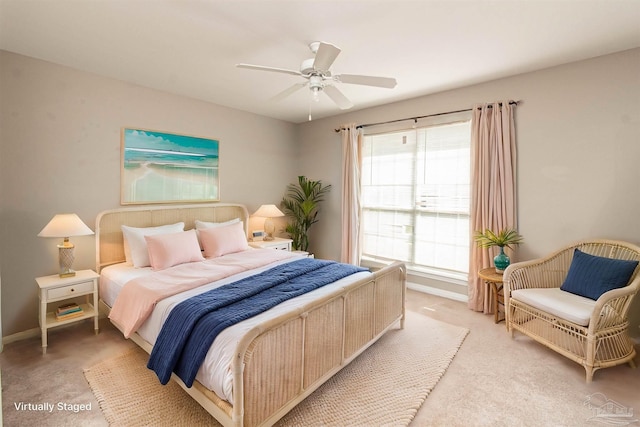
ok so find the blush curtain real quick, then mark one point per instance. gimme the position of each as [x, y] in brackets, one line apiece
[493, 188]
[351, 208]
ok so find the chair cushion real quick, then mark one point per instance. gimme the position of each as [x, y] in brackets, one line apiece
[591, 276]
[557, 302]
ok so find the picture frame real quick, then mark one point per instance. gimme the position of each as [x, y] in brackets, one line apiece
[163, 167]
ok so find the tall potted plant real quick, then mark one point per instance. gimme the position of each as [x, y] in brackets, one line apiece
[506, 237]
[301, 203]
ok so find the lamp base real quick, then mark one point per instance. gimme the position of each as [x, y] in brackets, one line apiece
[65, 260]
[269, 228]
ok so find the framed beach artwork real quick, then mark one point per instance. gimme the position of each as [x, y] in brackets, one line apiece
[161, 167]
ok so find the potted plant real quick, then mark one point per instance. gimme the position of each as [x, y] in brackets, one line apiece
[506, 237]
[302, 203]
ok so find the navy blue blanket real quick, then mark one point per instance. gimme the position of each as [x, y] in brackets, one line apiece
[193, 324]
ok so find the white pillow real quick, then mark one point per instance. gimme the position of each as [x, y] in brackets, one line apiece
[204, 224]
[218, 241]
[135, 246]
[167, 250]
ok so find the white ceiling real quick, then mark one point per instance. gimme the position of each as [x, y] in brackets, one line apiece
[191, 47]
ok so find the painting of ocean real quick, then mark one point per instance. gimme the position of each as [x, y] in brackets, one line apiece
[160, 167]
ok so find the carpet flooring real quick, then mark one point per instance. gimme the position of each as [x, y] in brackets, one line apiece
[494, 380]
[386, 385]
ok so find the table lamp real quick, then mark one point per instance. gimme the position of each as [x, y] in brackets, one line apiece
[65, 226]
[268, 211]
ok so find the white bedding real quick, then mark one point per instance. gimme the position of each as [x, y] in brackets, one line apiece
[215, 372]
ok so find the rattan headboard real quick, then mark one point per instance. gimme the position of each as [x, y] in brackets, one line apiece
[109, 243]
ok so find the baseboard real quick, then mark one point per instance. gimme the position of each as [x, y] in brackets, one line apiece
[19, 336]
[36, 332]
[437, 292]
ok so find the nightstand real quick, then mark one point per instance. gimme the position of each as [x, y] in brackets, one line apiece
[55, 288]
[276, 243]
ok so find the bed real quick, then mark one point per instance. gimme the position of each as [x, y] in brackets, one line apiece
[283, 355]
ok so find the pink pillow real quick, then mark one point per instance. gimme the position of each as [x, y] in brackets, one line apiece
[167, 250]
[223, 240]
[135, 247]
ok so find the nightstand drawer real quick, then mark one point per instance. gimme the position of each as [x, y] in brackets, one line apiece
[280, 246]
[277, 243]
[70, 290]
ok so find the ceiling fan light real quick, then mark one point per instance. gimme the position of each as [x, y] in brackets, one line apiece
[315, 94]
[316, 85]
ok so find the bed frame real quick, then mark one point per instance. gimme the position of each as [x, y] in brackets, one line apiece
[283, 360]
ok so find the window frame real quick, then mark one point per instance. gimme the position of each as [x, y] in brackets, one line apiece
[442, 274]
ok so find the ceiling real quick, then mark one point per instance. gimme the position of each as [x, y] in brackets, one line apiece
[191, 48]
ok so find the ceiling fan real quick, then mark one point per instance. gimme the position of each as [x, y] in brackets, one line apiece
[319, 78]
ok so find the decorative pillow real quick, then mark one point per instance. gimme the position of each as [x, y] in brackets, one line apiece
[591, 276]
[167, 250]
[135, 246]
[204, 224]
[218, 241]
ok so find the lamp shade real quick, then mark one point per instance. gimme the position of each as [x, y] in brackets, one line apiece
[268, 211]
[65, 225]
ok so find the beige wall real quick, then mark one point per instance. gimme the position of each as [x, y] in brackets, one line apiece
[578, 136]
[60, 152]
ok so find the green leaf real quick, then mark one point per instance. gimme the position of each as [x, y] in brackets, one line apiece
[302, 203]
[507, 237]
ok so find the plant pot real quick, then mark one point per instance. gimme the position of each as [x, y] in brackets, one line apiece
[501, 261]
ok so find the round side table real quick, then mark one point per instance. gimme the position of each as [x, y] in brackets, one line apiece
[494, 279]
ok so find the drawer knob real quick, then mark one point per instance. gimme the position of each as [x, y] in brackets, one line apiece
[72, 290]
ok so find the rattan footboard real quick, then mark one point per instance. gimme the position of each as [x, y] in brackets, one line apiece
[284, 359]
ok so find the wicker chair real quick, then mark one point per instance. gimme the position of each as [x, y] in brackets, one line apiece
[601, 341]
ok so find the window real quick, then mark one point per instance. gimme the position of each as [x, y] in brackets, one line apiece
[415, 197]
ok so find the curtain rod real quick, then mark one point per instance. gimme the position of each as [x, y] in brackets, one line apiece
[424, 117]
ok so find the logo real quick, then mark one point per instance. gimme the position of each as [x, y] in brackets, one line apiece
[607, 411]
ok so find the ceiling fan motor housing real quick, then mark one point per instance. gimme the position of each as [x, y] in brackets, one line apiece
[306, 68]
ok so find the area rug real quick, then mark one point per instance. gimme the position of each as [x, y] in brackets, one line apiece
[384, 386]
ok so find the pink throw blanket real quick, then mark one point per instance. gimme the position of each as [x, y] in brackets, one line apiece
[139, 296]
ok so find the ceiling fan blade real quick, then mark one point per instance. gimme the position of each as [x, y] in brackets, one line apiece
[341, 101]
[288, 91]
[386, 82]
[263, 68]
[326, 54]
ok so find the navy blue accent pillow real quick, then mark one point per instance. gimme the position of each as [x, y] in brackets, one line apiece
[591, 276]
